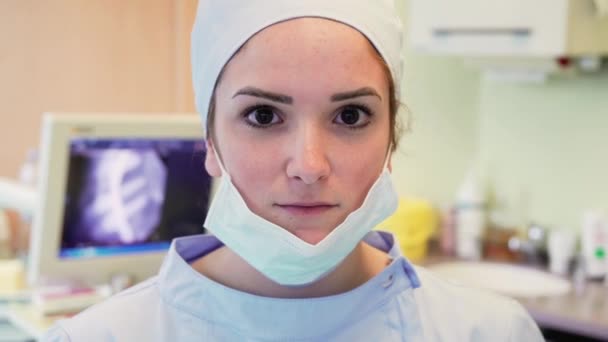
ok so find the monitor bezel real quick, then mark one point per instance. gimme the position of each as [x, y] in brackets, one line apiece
[58, 129]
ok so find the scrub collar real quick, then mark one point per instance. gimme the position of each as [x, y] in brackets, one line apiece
[187, 290]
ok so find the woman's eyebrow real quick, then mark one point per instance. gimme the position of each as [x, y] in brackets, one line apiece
[257, 92]
[365, 91]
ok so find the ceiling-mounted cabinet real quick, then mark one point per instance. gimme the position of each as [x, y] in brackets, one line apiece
[521, 28]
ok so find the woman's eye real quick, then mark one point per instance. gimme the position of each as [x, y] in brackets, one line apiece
[353, 116]
[262, 117]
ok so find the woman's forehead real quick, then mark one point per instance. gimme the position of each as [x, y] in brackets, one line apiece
[291, 48]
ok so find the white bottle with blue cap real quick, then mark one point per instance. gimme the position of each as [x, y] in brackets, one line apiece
[470, 218]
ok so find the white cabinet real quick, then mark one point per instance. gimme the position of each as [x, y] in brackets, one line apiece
[520, 28]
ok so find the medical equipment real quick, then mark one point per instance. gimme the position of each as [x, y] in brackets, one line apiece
[114, 190]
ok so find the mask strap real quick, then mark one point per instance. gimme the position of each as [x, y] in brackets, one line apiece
[219, 161]
[388, 157]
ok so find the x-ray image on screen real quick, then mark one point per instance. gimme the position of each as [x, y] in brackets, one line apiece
[128, 196]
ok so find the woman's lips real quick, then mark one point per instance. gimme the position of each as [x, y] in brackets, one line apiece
[306, 209]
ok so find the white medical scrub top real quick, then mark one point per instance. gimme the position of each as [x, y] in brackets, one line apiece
[402, 303]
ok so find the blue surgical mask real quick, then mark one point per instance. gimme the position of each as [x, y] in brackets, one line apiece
[282, 256]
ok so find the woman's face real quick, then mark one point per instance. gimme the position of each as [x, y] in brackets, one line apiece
[302, 124]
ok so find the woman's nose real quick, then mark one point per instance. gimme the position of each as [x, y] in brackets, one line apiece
[308, 162]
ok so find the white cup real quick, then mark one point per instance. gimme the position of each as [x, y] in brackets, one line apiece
[561, 246]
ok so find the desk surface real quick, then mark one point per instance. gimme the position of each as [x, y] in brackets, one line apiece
[584, 314]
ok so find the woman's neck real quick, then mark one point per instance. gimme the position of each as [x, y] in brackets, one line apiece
[229, 269]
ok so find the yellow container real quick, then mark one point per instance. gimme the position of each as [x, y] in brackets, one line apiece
[413, 223]
[12, 273]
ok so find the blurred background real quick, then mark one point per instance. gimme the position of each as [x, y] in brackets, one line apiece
[505, 107]
[538, 143]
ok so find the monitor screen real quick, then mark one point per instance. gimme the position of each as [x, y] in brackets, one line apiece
[126, 196]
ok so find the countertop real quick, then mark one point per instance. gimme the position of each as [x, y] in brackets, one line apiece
[584, 314]
[579, 312]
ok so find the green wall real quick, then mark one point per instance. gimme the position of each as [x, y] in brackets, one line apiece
[440, 98]
[546, 147]
[542, 148]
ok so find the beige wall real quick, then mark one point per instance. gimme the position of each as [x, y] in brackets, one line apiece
[93, 55]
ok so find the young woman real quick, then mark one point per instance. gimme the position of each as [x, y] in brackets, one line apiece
[299, 99]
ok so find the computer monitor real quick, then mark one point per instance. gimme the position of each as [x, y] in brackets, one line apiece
[114, 190]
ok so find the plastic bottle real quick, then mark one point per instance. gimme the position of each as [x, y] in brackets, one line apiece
[28, 174]
[28, 177]
[579, 278]
[470, 218]
[594, 243]
[4, 235]
[447, 239]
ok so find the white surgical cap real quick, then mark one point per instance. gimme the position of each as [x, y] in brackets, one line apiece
[223, 26]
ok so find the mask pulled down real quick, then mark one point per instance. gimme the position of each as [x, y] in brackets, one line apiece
[278, 254]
